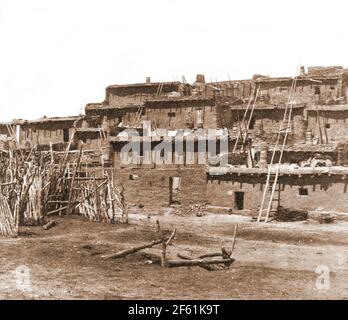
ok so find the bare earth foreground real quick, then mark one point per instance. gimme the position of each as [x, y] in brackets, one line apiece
[273, 261]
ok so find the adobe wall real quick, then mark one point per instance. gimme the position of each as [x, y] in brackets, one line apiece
[329, 195]
[177, 117]
[237, 89]
[123, 95]
[151, 187]
[43, 134]
[335, 123]
[175, 114]
[277, 92]
[266, 123]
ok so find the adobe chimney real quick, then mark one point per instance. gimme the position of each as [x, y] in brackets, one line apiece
[148, 80]
[200, 78]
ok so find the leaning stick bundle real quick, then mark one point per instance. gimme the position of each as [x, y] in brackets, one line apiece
[8, 220]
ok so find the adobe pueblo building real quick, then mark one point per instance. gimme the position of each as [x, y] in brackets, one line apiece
[244, 147]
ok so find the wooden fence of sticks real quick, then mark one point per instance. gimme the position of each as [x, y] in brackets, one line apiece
[36, 184]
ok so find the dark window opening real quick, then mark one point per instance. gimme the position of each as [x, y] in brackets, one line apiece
[303, 192]
[327, 126]
[316, 90]
[239, 200]
[143, 111]
[171, 114]
[119, 119]
[252, 124]
[66, 135]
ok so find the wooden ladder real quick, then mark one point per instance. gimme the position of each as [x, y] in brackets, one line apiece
[272, 178]
[159, 90]
[138, 115]
[246, 123]
[269, 196]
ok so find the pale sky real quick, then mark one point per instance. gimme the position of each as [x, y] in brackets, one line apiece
[58, 55]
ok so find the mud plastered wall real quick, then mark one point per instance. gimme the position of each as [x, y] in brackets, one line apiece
[323, 192]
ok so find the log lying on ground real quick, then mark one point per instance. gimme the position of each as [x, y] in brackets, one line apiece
[210, 255]
[197, 262]
[165, 241]
[126, 252]
[49, 225]
[206, 267]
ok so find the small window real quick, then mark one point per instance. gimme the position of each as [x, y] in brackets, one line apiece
[316, 90]
[133, 177]
[303, 192]
[327, 125]
[171, 114]
[143, 111]
[119, 119]
[332, 88]
[281, 89]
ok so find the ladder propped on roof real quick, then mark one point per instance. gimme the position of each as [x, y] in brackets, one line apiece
[272, 178]
[243, 135]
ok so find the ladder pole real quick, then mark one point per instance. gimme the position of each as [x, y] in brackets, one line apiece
[250, 117]
[319, 126]
[243, 120]
[272, 194]
[287, 131]
[324, 121]
[264, 194]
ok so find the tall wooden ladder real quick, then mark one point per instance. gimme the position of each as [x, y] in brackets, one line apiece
[159, 90]
[244, 125]
[268, 199]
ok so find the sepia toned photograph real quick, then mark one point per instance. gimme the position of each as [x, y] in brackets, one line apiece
[173, 150]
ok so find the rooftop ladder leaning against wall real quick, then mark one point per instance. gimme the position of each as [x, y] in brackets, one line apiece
[272, 179]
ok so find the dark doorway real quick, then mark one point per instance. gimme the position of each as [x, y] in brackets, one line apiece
[66, 135]
[239, 200]
[252, 124]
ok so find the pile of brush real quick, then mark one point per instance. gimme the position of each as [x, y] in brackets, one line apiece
[192, 209]
[290, 215]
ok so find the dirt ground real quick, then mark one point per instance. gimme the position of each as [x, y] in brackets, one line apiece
[273, 261]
